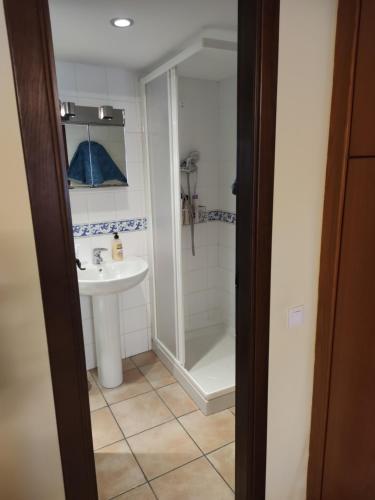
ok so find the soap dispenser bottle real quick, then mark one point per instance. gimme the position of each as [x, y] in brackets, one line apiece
[117, 250]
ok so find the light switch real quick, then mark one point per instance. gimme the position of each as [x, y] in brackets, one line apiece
[296, 316]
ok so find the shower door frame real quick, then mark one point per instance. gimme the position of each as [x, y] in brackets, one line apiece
[223, 398]
[30, 41]
[172, 90]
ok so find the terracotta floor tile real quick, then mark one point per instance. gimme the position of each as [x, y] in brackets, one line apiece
[163, 448]
[143, 492]
[195, 481]
[116, 470]
[210, 432]
[177, 400]
[223, 461]
[96, 399]
[145, 358]
[157, 375]
[127, 364]
[105, 430]
[134, 384]
[141, 413]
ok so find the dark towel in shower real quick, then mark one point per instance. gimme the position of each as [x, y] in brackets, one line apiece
[234, 186]
[92, 165]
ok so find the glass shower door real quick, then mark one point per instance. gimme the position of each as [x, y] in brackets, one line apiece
[163, 159]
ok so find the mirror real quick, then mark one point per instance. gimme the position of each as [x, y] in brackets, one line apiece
[95, 145]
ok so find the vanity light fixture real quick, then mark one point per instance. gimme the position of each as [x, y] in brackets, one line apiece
[105, 112]
[122, 22]
[67, 109]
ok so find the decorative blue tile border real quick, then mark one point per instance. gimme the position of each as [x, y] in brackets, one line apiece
[99, 228]
[81, 230]
[214, 215]
[103, 228]
[222, 216]
[139, 224]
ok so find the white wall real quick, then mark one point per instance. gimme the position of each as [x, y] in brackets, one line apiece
[228, 142]
[199, 130]
[227, 201]
[207, 123]
[93, 85]
[307, 37]
[30, 465]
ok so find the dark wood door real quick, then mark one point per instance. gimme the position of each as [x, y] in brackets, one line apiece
[363, 134]
[349, 471]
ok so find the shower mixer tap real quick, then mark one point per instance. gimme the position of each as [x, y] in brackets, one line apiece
[188, 167]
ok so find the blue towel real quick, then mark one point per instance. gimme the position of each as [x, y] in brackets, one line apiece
[92, 165]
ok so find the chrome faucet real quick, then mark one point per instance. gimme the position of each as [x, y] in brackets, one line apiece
[97, 255]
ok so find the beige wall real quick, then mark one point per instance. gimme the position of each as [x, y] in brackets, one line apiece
[307, 37]
[30, 466]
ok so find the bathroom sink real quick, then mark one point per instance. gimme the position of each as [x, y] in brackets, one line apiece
[111, 277]
[103, 282]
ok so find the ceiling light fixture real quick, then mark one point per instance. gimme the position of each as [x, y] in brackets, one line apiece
[122, 22]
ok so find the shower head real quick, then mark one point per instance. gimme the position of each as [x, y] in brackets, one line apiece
[189, 164]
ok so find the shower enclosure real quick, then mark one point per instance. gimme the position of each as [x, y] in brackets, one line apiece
[190, 128]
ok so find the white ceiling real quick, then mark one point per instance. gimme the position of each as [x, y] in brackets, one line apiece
[82, 32]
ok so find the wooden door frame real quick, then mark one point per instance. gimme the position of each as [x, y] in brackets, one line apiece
[30, 41]
[348, 18]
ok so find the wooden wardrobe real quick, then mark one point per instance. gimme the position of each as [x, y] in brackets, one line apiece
[342, 443]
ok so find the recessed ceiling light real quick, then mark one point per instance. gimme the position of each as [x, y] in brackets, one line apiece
[122, 22]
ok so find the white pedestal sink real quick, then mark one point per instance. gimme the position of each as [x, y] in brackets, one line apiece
[103, 282]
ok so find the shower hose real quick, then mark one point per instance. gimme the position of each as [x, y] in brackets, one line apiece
[191, 212]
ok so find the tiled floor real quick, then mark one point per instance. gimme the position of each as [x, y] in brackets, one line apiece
[151, 442]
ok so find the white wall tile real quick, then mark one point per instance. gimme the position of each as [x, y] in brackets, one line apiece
[132, 117]
[196, 280]
[215, 316]
[137, 296]
[88, 330]
[227, 235]
[197, 261]
[212, 230]
[226, 280]
[199, 113]
[209, 196]
[213, 277]
[66, 77]
[136, 342]
[198, 301]
[134, 173]
[93, 85]
[121, 83]
[199, 320]
[101, 205]
[91, 79]
[135, 319]
[129, 204]
[212, 256]
[227, 258]
[133, 243]
[79, 207]
[133, 146]
[212, 299]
